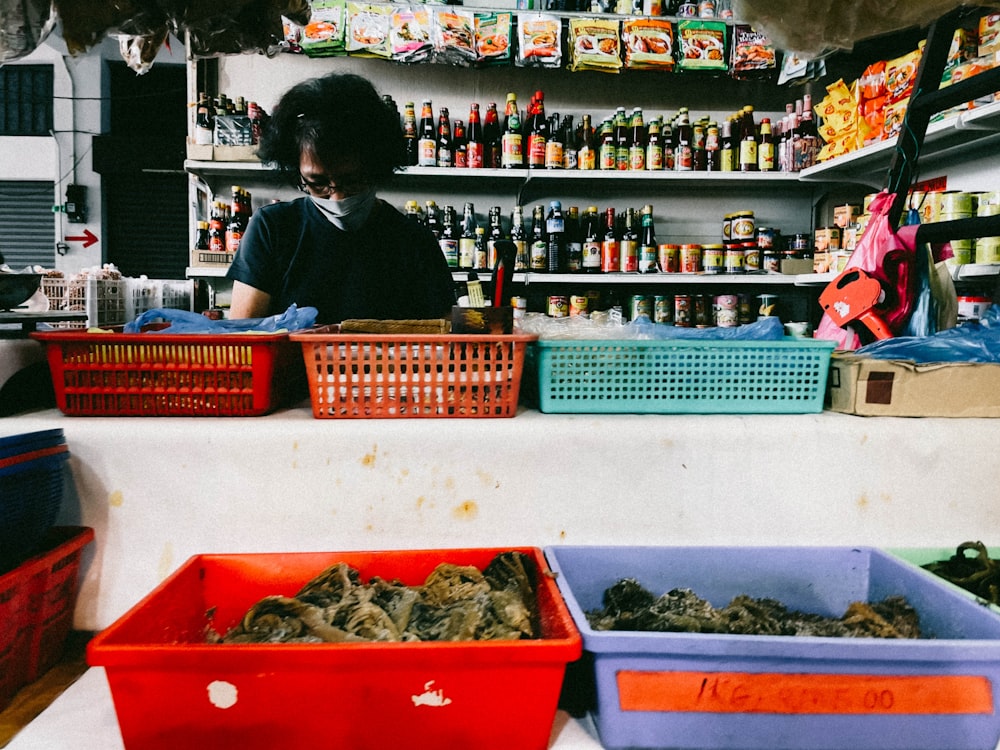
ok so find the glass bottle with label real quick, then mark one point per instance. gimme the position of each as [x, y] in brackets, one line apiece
[459, 149]
[628, 248]
[538, 132]
[427, 143]
[713, 145]
[765, 149]
[519, 237]
[538, 249]
[467, 238]
[590, 261]
[607, 145]
[481, 253]
[586, 154]
[623, 139]
[475, 147]
[727, 153]
[610, 246]
[410, 133]
[654, 146]
[637, 142]
[448, 240]
[748, 141]
[574, 241]
[494, 233]
[683, 137]
[445, 158]
[491, 138]
[555, 230]
[512, 156]
[431, 219]
[204, 124]
[569, 155]
[647, 243]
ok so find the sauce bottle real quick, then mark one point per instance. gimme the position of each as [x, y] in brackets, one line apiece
[623, 139]
[538, 249]
[628, 249]
[765, 149]
[459, 147]
[637, 142]
[427, 142]
[647, 244]
[538, 132]
[748, 141]
[683, 154]
[512, 156]
[607, 146]
[410, 133]
[610, 248]
[519, 238]
[590, 261]
[467, 238]
[574, 241]
[555, 230]
[491, 137]
[448, 240]
[586, 154]
[654, 146]
[475, 147]
[445, 158]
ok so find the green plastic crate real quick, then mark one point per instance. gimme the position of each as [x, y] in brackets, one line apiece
[683, 376]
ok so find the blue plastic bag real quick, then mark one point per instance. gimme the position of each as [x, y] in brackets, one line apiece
[182, 321]
[768, 328]
[969, 342]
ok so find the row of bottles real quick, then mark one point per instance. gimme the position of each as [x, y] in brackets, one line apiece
[555, 241]
[208, 110]
[622, 141]
[218, 239]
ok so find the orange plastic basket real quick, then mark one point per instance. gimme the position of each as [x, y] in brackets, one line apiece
[412, 375]
[171, 374]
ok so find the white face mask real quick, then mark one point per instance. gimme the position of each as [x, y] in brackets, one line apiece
[350, 213]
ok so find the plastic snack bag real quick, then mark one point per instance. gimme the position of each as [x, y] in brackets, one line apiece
[323, 36]
[649, 43]
[702, 45]
[410, 34]
[539, 41]
[368, 30]
[594, 44]
[493, 38]
[454, 36]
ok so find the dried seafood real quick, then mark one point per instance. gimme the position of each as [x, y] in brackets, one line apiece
[979, 575]
[629, 606]
[455, 603]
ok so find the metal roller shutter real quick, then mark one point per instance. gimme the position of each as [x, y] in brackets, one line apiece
[27, 225]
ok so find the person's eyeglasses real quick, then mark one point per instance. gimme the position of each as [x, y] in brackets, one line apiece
[346, 184]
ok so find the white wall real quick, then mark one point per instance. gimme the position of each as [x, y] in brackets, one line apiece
[80, 112]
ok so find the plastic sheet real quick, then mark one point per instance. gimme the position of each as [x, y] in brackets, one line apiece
[969, 342]
[24, 24]
[182, 321]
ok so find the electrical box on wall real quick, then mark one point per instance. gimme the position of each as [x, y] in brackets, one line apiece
[76, 204]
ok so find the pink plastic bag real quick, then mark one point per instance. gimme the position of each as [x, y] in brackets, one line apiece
[888, 255]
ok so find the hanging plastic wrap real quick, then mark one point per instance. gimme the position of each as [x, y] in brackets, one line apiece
[23, 26]
[819, 26]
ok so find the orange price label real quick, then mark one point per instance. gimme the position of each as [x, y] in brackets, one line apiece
[781, 693]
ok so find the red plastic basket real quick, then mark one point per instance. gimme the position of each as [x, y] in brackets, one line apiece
[171, 689]
[413, 375]
[171, 374]
[36, 608]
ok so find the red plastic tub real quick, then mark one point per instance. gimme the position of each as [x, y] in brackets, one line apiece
[171, 689]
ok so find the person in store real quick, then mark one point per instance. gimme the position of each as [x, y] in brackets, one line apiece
[338, 248]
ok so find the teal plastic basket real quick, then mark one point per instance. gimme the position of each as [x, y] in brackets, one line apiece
[684, 376]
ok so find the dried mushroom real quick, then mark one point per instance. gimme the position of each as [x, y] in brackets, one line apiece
[979, 575]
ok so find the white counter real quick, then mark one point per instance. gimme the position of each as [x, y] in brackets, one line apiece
[158, 490]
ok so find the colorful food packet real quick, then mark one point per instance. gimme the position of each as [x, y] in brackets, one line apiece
[702, 45]
[539, 41]
[323, 36]
[594, 44]
[454, 36]
[754, 56]
[989, 34]
[649, 43]
[900, 74]
[892, 118]
[368, 30]
[410, 34]
[493, 38]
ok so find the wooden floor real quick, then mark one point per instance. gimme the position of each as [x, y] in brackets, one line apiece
[32, 699]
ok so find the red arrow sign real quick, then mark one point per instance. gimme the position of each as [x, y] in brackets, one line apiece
[88, 238]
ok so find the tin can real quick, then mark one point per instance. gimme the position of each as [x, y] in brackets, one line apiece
[972, 307]
[770, 261]
[701, 310]
[956, 202]
[800, 246]
[578, 305]
[640, 304]
[988, 250]
[725, 310]
[652, 8]
[744, 309]
[690, 258]
[682, 310]
[752, 257]
[713, 258]
[663, 308]
[687, 10]
[727, 228]
[743, 226]
[766, 238]
[988, 209]
[557, 306]
[961, 252]
[520, 305]
[733, 259]
[930, 211]
[668, 258]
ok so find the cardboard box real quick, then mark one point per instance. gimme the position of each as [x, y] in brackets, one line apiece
[797, 266]
[894, 388]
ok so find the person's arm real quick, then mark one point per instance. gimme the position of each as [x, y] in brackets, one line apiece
[248, 302]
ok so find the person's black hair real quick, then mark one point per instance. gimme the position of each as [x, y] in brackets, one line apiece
[338, 116]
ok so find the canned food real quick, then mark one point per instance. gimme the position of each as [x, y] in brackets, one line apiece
[973, 307]
[725, 310]
[663, 308]
[557, 306]
[961, 252]
[931, 209]
[682, 310]
[520, 305]
[640, 304]
[988, 250]
[751, 257]
[743, 226]
[733, 262]
[727, 227]
[701, 309]
[800, 246]
[713, 258]
[956, 202]
[766, 238]
[771, 261]
[578, 305]
[988, 209]
[690, 258]
[668, 258]
[687, 10]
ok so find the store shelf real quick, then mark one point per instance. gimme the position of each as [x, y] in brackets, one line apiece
[199, 272]
[974, 271]
[870, 164]
[669, 279]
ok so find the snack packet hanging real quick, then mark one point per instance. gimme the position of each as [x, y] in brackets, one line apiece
[323, 36]
[368, 30]
[594, 44]
[702, 45]
[410, 34]
[539, 41]
[648, 43]
[493, 38]
[454, 36]
[754, 56]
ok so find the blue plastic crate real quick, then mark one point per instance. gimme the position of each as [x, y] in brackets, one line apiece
[32, 484]
[699, 690]
[682, 376]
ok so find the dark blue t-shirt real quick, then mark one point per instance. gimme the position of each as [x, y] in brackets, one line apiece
[391, 269]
